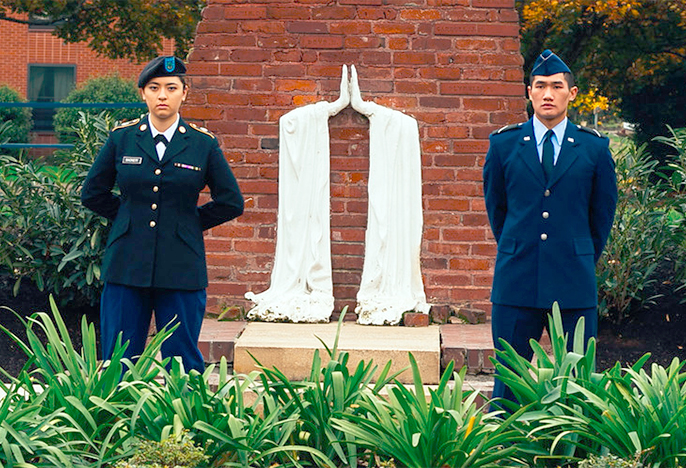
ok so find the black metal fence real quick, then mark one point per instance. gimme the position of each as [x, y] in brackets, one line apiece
[54, 105]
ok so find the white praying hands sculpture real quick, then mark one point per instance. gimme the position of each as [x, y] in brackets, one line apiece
[301, 288]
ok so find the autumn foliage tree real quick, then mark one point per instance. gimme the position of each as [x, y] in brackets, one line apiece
[631, 51]
[132, 29]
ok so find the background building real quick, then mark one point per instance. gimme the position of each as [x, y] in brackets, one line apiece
[44, 68]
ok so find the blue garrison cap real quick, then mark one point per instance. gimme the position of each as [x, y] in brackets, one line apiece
[161, 66]
[549, 64]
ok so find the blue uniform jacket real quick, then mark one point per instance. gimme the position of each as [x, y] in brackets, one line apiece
[550, 235]
[156, 239]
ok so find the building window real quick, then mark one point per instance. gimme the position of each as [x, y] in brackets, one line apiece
[49, 83]
[41, 23]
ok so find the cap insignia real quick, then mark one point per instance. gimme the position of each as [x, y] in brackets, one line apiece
[169, 64]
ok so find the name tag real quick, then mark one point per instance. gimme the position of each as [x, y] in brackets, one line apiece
[131, 160]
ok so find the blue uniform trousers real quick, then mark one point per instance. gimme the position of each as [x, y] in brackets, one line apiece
[518, 325]
[128, 309]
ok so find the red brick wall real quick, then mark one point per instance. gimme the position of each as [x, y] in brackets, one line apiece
[21, 48]
[454, 65]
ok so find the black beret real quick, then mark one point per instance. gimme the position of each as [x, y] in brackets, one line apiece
[549, 64]
[161, 66]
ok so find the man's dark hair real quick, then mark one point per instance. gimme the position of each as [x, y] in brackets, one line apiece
[568, 76]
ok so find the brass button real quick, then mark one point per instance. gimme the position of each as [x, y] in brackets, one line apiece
[153, 224]
[153, 206]
[545, 215]
[155, 189]
[544, 236]
[158, 171]
[546, 193]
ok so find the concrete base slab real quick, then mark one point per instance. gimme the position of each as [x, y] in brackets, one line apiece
[290, 347]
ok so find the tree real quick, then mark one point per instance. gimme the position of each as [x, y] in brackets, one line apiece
[114, 29]
[632, 51]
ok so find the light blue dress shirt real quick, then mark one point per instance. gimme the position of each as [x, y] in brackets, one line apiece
[558, 134]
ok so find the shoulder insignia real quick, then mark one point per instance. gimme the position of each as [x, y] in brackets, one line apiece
[592, 131]
[126, 124]
[201, 130]
[507, 128]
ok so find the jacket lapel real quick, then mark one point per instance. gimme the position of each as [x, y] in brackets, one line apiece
[179, 142]
[144, 140]
[528, 152]
[568, 153]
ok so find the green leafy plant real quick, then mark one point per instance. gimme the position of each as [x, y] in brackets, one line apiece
[81, 404]
[635, 415]
[46, 235]
[330, 391]
[545, 385]
[108, 89]
[19, 117]
[27, 433]
[573, 411]
[445, 429]
[644, 235]
[231, 427]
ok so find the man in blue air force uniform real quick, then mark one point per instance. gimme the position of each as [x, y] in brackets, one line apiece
[551, 191]
[155, 254]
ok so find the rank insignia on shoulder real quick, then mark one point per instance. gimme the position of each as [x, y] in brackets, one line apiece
[592, 131]
[507, 128]
[126, 124]
[201, 130]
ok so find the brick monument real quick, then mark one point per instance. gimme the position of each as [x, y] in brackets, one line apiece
[454, 65]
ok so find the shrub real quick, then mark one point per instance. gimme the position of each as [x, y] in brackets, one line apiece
[609, 461]
[20, 117]
[573, 411]
[101, 89]
[66, 404]
[46, 235]
[644, 236]
[171, 452]
[68, 408]
[447, 428]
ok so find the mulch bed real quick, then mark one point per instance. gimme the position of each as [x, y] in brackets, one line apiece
[659, 328]
[28, 301]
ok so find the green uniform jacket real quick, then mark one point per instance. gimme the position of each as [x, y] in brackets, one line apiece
[156, 237]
